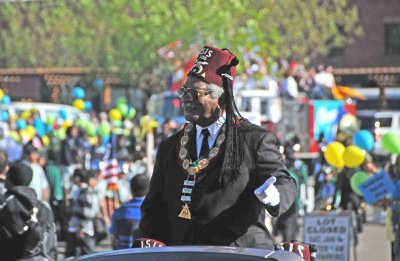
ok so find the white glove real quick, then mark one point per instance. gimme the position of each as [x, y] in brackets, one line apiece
[267, 193]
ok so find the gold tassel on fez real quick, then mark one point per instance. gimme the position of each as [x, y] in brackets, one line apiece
[185, 213]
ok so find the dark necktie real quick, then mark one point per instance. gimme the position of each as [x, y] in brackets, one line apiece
[204, 146]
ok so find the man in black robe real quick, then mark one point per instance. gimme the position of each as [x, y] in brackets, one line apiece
[215, 192]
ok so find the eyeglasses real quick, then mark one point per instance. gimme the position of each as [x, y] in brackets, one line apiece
[200, 92]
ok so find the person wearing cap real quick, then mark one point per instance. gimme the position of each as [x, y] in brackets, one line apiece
[20, 214]
[215, 192]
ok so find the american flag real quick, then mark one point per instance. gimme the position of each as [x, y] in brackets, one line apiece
[110, 172]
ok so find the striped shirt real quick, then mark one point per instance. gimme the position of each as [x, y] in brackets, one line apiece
[125, 223]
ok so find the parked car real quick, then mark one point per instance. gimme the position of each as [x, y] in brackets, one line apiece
[192, 253]
[44, 109]
[379, 123]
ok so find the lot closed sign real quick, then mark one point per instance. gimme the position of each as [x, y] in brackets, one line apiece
[331, 233]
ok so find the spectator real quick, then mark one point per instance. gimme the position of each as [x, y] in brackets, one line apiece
[24, 219]
[3, 171]
[125, 220]
[86, 206]
[39, 181]
[289, 86]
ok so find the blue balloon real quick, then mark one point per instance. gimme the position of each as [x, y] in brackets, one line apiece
[78, 93]
[39, 126]
[98, 84]
[21, 124]
[63, 113]
[49, 128]
[106, 139]
[364, 139]
[88, 106]
[6, 100]
[5, 116]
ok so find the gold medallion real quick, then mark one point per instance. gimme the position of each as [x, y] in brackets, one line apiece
[182, 153]
[202, 163]
[185, 213]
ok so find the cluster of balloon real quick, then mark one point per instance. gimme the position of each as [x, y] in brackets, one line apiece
[352, 156]
[78, 94]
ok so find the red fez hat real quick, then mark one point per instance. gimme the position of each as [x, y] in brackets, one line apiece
[212, 64]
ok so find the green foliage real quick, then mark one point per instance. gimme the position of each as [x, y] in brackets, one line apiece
[125, 34]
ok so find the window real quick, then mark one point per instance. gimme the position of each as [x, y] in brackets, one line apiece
[392, 39]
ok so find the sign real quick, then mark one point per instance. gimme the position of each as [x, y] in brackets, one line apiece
[376, 187]
[331, 233]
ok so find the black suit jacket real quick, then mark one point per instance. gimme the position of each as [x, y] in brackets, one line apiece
[230, 215]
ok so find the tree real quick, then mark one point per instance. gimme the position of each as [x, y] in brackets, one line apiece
[124, 35]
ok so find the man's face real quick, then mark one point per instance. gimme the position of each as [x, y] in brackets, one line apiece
[198, 105]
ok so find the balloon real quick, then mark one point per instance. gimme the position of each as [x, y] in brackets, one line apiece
[98, 84]
[106, 139]
[79, 104]
[334, 154]
[25, 115]
[66, 124]
[115, 115]
[364, 139]
[21, 124]
[78, 93]
[4, 116]
[25, 136]
[88, 106]
[117, 124]
[353, 156]
[358, 178]
[46, 140]
[121, 100]
[131, 113]
[391, 142]
[123, 108]
[104, 129]
[15, 136]
[90, 129]
[6, 100]
[31, 130]
[64, 113]
[39, 126]
[1, 94]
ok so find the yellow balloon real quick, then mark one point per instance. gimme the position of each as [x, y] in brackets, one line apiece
[46, 140]
[115, 114]
[1, 94]
[15, 136]
[79, 104]
[25, 136]
[31, 131]
[66, 124]
[25, 115]
[353, 156]
[334, 154]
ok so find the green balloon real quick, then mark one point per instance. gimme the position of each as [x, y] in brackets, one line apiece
[50, 119]
[117, 124]
[391, 143]
[104, 129]
[131, 113]
[90, 128]
[123, 108]
[358, 178]
[120, 100]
